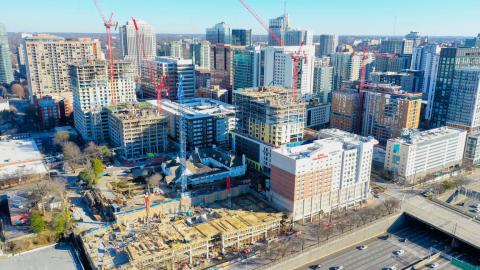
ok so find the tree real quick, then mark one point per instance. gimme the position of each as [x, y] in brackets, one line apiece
[62, 137]
[391, 205]
[88, 177]
[102, 152]
[59, 223]
[37, 224]
[97, 167]
[71, 151]
[19, 91]
[154, 180]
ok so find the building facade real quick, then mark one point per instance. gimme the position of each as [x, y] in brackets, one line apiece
[138, 45]
[346, 111]
[241, 37]
[6, 71]
[328, 45]
[200, 51]
[218, 34]
[322, 82]
[246, 69]
[418, 154]
[323, 175]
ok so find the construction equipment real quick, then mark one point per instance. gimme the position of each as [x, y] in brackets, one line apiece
[295, 56]
[108, 28]
[182, 132]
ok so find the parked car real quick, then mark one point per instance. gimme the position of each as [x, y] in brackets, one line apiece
[433, 265]
[362, 247]
[399, 252]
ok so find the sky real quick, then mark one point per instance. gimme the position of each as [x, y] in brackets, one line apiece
[352, 17]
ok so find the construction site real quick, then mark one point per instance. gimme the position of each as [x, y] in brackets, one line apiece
[196, 231]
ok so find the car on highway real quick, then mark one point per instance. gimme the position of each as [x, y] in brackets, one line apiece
[315, 266]
[390, 268]
[362, 247]
[340, 267]
[433, 265]
[399, 252]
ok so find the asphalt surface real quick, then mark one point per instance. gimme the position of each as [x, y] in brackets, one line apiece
[380, 252]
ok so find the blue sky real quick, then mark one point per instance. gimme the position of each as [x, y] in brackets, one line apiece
[429, 17]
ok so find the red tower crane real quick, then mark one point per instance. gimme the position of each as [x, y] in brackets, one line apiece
[153, 77]
[108, 28]
[296, 56]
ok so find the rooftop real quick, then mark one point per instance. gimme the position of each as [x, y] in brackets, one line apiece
[20, 157]
[272, 95]
[311, 149]
[415, 136]
[345, 136]
[198, 107]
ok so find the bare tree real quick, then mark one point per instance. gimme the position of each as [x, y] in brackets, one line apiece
[154, 180]
[71, 153]
[341, 226]
[391, 205]
[62, 137]
[19, 91]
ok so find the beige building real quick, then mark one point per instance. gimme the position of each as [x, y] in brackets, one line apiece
[47, 60]
[138, 129]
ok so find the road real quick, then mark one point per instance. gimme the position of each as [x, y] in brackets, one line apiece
[379, 253]
[445, 219]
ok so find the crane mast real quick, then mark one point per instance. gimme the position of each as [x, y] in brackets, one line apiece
[182, 132]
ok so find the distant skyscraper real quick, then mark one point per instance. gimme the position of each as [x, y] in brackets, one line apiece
[322, 82]
[200, 51]
[464, 105]
[138, 46]
[47, 58]
[391, 46]
[218, 34]
[297, 37]
[278, 26]
[6, 71]
[221, 56]
[246, 68]
[172, 68]
[176, 49]
[341, 63]
[450, 59]
[328, 45]
[241, 37]
[473, 42]
[411, 41]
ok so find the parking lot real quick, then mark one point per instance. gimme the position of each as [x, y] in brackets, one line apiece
[415, 241]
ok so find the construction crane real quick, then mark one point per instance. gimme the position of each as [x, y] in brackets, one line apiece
[108, 28]
[182, 132]
[296, 56]
[162, 85]
[363, 71]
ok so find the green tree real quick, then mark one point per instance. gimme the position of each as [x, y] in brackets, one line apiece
[88, 177]
[97, 166]
[59, 223]
[37, 223]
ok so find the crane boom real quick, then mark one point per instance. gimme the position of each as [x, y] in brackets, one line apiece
[182, 132]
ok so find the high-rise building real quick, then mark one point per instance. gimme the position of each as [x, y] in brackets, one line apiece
[418, 154]
[241, 37]
[138, 129]
[346, 111]
[47, 59]
[388, 111]
[176, 49]
[411, 41]
[278, 26]
[317, 114]
[328, 45]
[322, 82]
[92, 91]
[6, 71]
[22, 68]
[209, 122]
[341, 63]
[218, 34]
[173, 68]
[267, 117]
[326, 174]
[298, 37]
[278, 68]
[221, 56]
[200, 51]
[246, 68]
[450, 59]
[473, 42]
[464, 106]
[391, 46]
[138, 46]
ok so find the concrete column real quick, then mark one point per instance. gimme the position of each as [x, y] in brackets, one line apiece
[190, 255]
[208, 255]
[223, 246]
[173, 260]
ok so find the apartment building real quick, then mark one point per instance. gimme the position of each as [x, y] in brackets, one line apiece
[388, 110]
[209, 122]
[418, 154]
[173, 68]
[138, 129]
[47, 59]
[330, 173]
[346, 111]
[93, 90]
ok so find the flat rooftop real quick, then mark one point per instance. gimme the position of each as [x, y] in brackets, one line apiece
[416, 137]
[20, 157]
[273, 95]
[198, 107]
[314, 148]
[346, 137]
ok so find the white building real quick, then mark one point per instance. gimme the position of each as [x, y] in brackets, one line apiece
[278, 68]
[138, 45]
[93, 90]
[317, 115]
[20, 158]
[322, 81]
[419, 154]
[326, 174]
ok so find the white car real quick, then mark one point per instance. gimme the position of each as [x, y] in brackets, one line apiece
[399, 252]
[433, 265]
[362, 247]
[338, 267]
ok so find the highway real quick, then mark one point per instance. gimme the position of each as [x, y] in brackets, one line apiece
[379, 253]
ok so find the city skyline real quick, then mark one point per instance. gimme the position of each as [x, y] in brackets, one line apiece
[346, 18]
